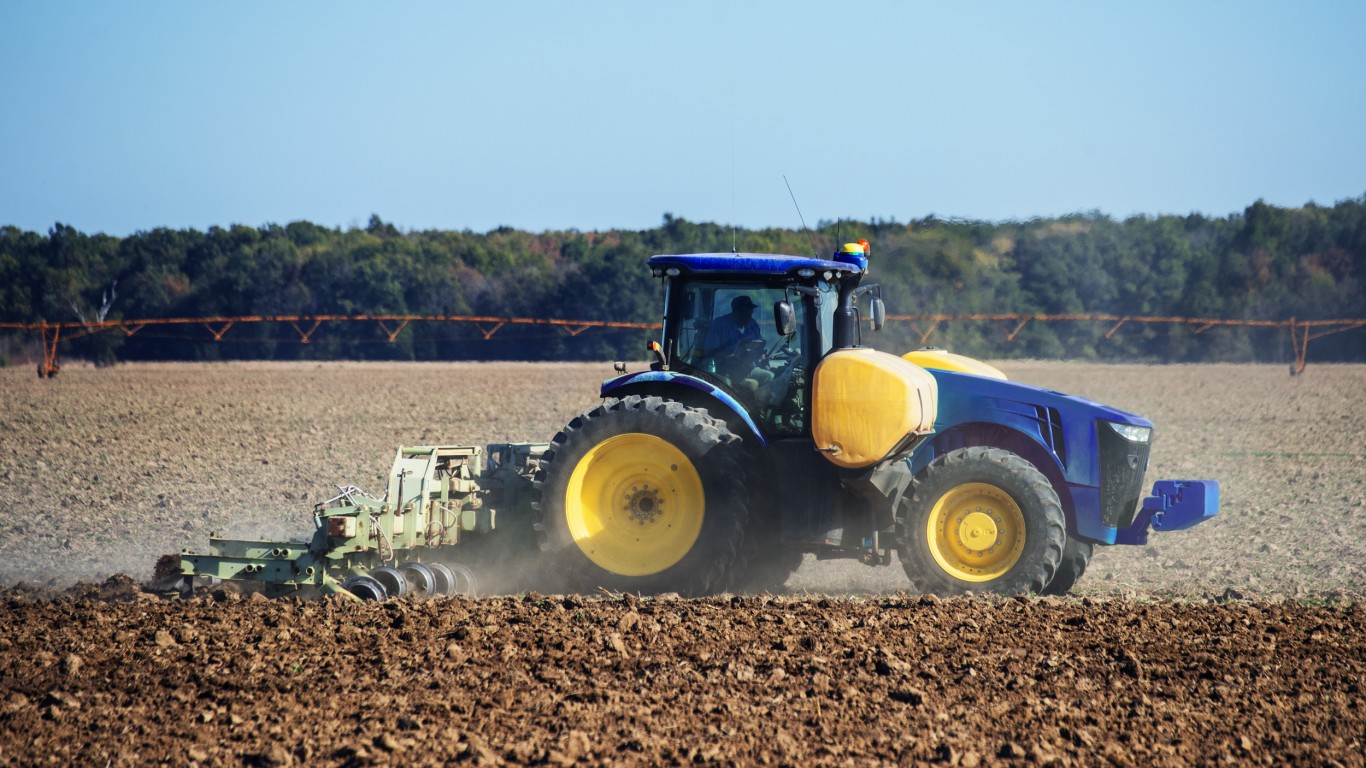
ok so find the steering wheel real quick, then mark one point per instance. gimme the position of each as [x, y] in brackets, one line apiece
[749, 350]
[741, 358]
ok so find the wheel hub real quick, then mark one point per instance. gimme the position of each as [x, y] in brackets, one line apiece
[643, 504]
[635, 504]
[977, 531]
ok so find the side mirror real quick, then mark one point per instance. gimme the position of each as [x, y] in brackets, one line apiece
[879, 314]
[784, 318]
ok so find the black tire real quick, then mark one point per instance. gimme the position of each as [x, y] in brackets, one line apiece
[1016, 547]
[1076, 556]
[708, 452]
[764, 564]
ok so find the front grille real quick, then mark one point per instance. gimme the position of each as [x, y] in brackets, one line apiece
[1122, 464]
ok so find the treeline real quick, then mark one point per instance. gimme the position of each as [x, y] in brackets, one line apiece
[1267, 263]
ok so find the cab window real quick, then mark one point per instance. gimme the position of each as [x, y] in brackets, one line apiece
[725, 333]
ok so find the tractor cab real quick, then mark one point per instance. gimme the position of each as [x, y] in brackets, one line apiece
[755, 326]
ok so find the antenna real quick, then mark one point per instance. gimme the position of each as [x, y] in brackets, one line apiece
[732, 187]
[809, 239]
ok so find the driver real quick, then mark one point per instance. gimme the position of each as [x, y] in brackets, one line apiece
[729, 331]
[727, 338]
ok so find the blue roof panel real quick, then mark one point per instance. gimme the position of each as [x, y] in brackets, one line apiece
[747, 263]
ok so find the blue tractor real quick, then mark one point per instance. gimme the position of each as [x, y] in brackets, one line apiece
[764, 430]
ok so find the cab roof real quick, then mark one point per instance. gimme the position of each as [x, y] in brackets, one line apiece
[747, 263]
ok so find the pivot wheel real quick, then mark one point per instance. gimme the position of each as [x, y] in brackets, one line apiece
[643, 494]
[981, 519]
[975, 532]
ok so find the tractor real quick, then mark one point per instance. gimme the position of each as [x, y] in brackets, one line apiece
[749, 444]
[753, 439]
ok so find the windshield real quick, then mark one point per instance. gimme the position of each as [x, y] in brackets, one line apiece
[726, 333]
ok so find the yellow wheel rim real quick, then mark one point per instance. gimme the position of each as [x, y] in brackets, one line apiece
[634, 504]
[976, 532]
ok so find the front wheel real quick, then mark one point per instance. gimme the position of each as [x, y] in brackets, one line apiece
[984, 520]
[643, 494]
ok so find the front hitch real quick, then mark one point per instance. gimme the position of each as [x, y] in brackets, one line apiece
[1174, 506]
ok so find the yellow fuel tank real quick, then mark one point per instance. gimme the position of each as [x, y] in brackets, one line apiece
[867, 405]
[944, 360]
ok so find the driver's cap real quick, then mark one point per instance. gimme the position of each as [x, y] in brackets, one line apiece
[742, 302]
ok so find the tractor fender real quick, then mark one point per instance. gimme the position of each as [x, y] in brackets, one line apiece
[1020, 439]
[688, 389]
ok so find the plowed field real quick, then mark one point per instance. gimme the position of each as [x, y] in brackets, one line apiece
[1240, 641]
[756, 680]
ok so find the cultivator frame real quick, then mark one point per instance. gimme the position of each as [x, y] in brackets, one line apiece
[374, 548]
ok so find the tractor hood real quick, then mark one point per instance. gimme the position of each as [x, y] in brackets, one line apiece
[1011, 395]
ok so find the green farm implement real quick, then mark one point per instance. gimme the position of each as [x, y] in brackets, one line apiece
[407, 542]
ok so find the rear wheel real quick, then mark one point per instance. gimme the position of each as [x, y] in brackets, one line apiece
[765, 563]
[643, 494]
[1075, 557]
[981, 519]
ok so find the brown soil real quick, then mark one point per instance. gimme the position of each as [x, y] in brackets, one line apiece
[1160, 661]
[766, 680]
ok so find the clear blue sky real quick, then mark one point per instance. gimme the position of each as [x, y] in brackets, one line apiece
[118, 117]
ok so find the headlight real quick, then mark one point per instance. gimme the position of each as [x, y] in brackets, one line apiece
[1131, 432]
